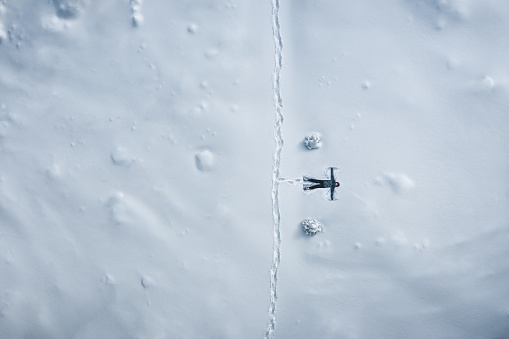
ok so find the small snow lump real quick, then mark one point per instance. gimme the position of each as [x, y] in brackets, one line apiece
[147, 282]
[204, 160]
[311, 226]
[312, 142]
[69, 9]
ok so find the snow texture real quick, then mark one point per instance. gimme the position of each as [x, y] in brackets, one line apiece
[142, 190]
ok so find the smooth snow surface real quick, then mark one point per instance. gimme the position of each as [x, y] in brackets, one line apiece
[141, 169]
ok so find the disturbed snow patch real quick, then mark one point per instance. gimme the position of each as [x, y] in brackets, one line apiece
[147, 282]
[276, 213]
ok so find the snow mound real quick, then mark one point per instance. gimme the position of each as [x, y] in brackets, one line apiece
[121, 157]
[311, 226]
[191, 29]
[69, 9]
[312, 142]
[204, 160]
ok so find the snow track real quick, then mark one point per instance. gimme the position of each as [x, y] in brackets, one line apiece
[276, 216]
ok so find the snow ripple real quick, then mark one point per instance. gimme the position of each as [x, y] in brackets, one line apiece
[276, 216]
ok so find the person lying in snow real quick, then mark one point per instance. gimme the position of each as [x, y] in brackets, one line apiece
[312, 183]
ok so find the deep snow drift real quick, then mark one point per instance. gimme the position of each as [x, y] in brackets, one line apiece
[136, 169]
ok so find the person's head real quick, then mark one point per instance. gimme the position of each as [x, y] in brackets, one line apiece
[336, 184]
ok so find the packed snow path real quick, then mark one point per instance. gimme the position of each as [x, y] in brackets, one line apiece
[278, 102]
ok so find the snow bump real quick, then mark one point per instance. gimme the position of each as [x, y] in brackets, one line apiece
[205, 160]
[192, 28]
[121, 157]
[399, 182]
[69, 9]
[147, 282]
[137, 17]
[484, 84]
[107, 279]
[366, 85]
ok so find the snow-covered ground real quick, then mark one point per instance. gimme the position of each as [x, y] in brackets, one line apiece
[136, 169]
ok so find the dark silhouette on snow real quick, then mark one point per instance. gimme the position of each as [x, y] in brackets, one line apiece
[312, 183]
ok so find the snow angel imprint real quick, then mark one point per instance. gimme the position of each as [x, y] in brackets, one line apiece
[311, 183]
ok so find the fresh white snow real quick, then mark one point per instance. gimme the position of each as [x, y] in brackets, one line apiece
[151, 151]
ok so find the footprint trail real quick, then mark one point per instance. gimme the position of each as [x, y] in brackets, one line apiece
[276, 216]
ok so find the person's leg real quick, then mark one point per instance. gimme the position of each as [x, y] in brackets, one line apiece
[307, 188]
[316, 181]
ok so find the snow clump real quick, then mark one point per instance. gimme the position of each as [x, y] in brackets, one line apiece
[204, 160]
[312, 142]
[311, 226]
